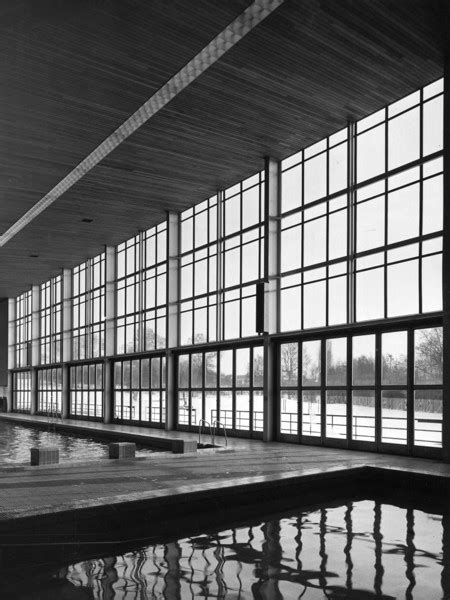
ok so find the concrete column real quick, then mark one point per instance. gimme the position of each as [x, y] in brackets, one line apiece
[11, 333]
[34, 391]
[65, 393]
[271, 228]
[35, 325]
[108, 395]
[110, 301]
[173, 234]
[446, 245]
[66, 315]
[11, 351]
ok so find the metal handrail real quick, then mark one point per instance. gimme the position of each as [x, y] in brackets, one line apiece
[200, 430]
[224, 431]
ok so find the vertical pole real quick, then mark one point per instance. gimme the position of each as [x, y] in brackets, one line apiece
[66, 340]
[108, 395]
[110, 300]
[271, 226]
[110, 333]
[34, 391]
[35, 346]
[65, 396]
[35, 326]
[172, 317]
[446, 245]
[11, 351]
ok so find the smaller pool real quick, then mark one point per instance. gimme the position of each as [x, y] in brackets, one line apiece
[17, 440]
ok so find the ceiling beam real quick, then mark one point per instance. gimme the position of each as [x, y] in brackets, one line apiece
[225, 40]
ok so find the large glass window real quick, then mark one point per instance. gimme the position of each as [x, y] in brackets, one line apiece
[50, 319]
[21, 392]
[222, 387]
[347, 252]
[140, 390]
[86, 391]
[141, 291]
[49, 391]
[22, 327]
[88, 309]
[337, 389]
[221, 261]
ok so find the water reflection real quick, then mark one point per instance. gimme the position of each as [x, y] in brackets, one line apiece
[16, 441]
[361, 550]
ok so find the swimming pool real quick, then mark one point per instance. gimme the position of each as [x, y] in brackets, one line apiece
[16, 441]
[357, 550]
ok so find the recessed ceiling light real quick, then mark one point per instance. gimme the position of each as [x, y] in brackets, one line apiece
[86, 220]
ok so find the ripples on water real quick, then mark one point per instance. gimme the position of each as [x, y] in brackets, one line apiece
[16, 441]
[359, 551]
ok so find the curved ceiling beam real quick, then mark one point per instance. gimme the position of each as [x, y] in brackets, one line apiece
[231, 35]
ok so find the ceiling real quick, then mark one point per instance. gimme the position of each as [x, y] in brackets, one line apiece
[72, 71]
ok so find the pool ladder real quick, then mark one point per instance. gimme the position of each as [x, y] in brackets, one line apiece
[215, 424]
[212, 431]
[200, 423]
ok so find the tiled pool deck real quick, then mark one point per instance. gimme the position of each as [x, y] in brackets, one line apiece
[31, 492]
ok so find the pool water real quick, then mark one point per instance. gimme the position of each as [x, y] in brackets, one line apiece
[16, 441]
[358, 550]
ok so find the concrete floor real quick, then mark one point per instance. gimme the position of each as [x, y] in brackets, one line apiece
[33, 491]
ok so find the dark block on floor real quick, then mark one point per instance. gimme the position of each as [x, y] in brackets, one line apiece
[122, 450]
[183, 446]
[44, 456]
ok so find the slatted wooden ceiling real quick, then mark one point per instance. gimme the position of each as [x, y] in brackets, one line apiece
[72, 72]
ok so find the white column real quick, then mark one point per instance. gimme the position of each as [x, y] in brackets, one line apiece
[173, 233]
[271, 230]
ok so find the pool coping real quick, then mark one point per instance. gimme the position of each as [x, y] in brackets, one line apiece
[225, 491]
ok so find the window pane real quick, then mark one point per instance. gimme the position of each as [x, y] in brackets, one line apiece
[242, 367]
[404, 138]
[428, 356]
[337, 235]
[315, 178]
[370, 295]
[370, 224]
[337, 168]
[196, 370]
[226, 368]
[314, 304]
[291, 249]
[337, 300]
[289, 412]
[400, 203]
[393, 416]
[433, 195]
[428, 418]
[311, 413]
[336, 357]
[336, 414]
[433, 126]
[289, 364]
[363, 415]
[311, 363]
[432, 283]
[183, 371]
[363, 372]
[211, 369]
[258, 366]
[315, 246]
[403, 288]
[291, 194]
[370, 153]
[290, 300]
[394, 352]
